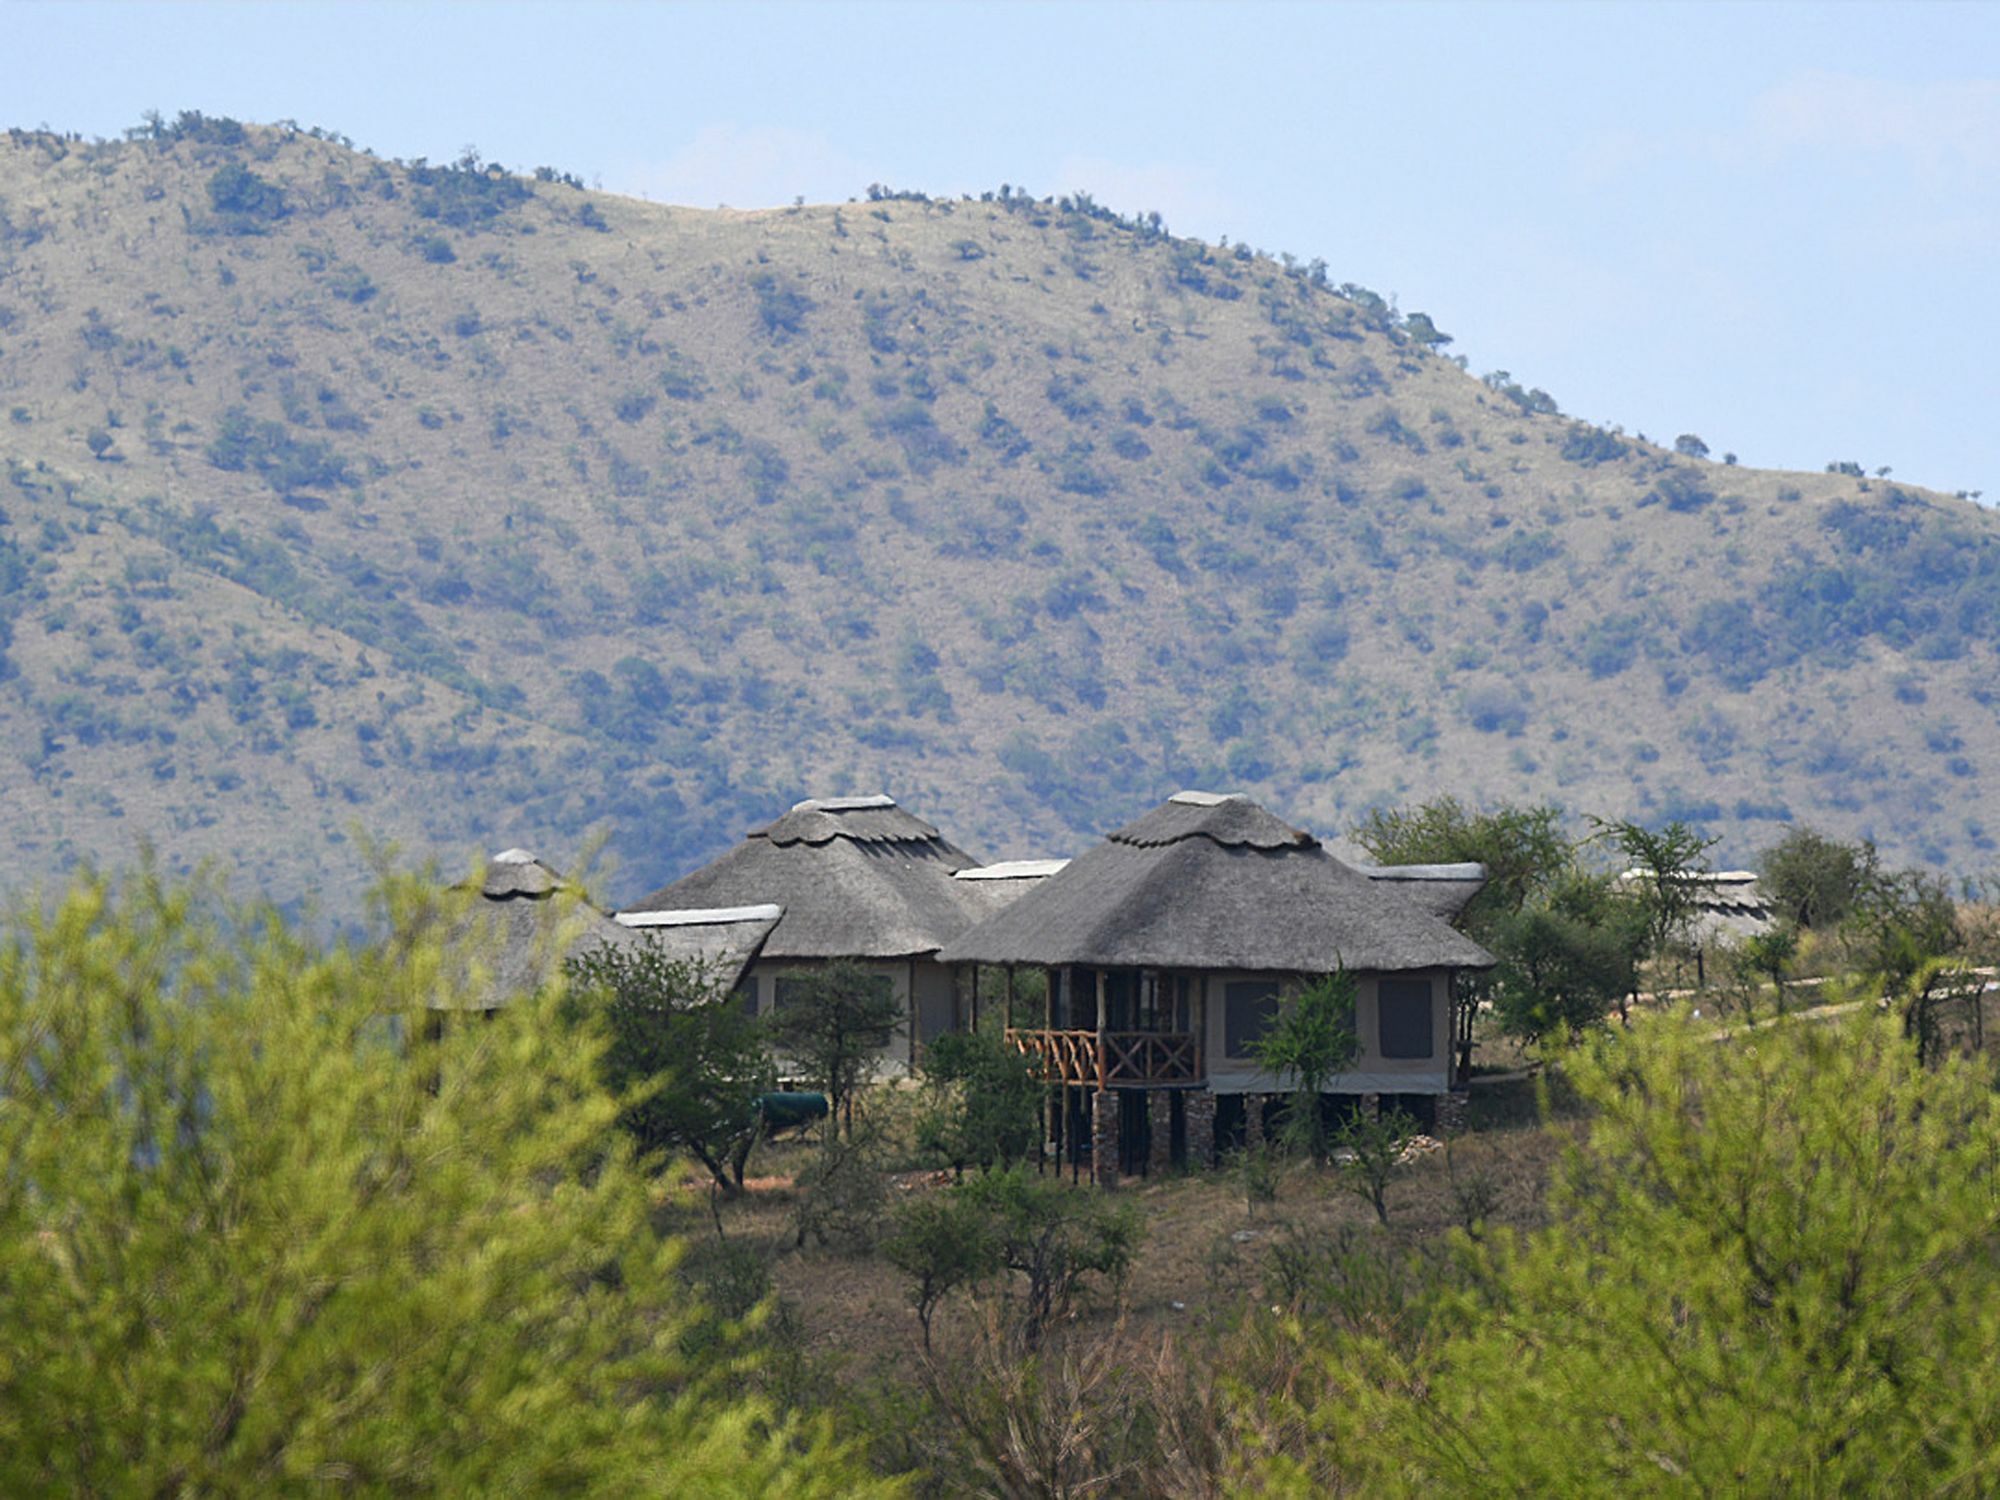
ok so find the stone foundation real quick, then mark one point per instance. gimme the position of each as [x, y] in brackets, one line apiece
[1253, 1121]
[1160, 1131]
[1200, 1107]
[1451, 1112]
[1104, 1138]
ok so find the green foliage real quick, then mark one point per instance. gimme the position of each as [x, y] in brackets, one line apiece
[781, 308]
[1668, 862]
[243, 201]
[1371, 1149]
[1905, 920]
[683, 1052]
[468, 195]
[941, 1242]
[259, 1233]
[1054, 1236]
[983, 1101]
[1770, 954]
[1523, 849]
[1567, 958]
[841, 1195]
[831, 1027]
[1814, 881]
[1771, 1268]
[268, 449]
[1311, 1038]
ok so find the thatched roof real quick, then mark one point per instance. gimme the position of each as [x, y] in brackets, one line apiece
[857, 877]
[1728, 904]
[522, 919]
[995, 887]
[1441, 890]
[1214, 882]
[723, 939]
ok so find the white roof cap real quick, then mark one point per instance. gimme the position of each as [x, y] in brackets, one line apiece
[843, 804]
[1425, 872]
[1012, 869]
[514, 857]
[1205, 799]
[700, 916]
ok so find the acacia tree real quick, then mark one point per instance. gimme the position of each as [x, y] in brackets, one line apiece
[832, 1023]
[1311, 1039]
[260, 1232]
[1669, 863]
[1567, 960]
[683, 1052]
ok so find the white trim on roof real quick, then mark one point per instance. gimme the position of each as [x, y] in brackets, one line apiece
[700, 916]
[1425, 872]
[1012, 869]
[1700, 877]
[844, 804]
[1205, 799]
[514, 857]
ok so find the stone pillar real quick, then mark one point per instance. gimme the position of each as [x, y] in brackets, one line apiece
[1371, 1106]
[1452, 1109]
[1104, 1138]
[1200, 1107]
[1160, 1131]
[1253, 1122]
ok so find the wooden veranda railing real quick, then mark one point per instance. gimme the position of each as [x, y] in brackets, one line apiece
[1113, 1059]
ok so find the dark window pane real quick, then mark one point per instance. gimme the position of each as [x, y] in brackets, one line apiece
[1247, 1007]
[1404, 1008]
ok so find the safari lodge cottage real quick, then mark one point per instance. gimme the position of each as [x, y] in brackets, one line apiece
[854, 878]
[1163, 952]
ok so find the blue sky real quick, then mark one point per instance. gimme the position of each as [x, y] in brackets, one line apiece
[1771, 225]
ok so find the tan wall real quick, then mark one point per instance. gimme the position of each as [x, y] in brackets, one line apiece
[1372, 1073]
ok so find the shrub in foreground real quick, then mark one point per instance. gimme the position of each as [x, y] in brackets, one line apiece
[259, 1235]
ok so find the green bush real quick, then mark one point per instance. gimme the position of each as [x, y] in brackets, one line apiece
[984, 1102]
[263, 1229]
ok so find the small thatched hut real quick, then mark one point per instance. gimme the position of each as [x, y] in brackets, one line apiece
[852, 877]
[1166, 950]
[521, 920]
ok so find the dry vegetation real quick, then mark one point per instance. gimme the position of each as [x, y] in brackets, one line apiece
[473, 509]
[1212, 1254]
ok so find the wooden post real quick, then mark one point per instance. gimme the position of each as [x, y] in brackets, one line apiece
[975, 997]
[1010, 994]
[913, 1016]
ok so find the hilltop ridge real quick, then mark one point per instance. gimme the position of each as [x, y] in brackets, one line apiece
[479, 510]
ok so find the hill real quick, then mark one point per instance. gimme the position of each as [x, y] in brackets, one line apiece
[470, 509]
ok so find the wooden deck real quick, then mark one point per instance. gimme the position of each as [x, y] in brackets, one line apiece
[1114, 1059]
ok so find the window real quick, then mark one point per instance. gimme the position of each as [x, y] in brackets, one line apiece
[745, 994]
[1403, 1009]
[1247, 1008]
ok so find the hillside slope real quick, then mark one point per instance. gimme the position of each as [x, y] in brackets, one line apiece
[468, 510]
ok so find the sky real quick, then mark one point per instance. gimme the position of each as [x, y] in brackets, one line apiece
[1769, 225]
